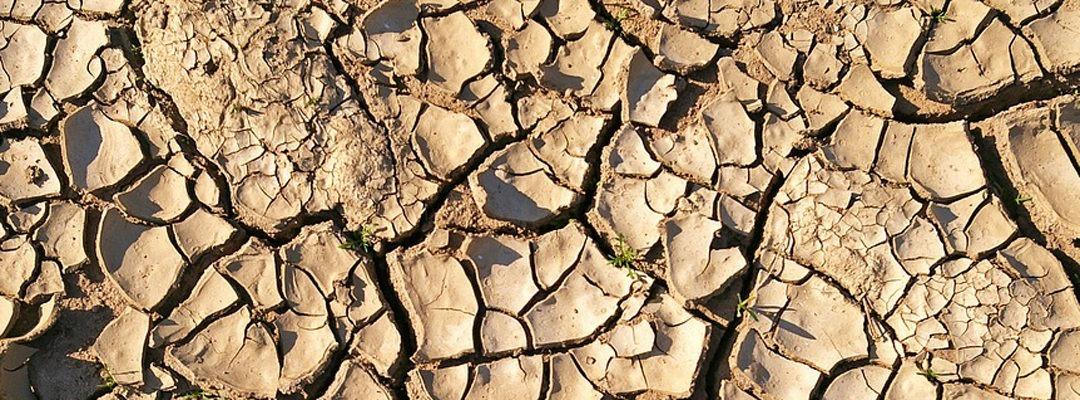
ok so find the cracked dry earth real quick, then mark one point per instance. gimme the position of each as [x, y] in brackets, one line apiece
[539, 199]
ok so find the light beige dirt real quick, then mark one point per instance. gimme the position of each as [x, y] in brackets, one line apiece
[539, 199]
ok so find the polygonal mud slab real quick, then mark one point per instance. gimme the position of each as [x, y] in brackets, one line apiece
[657, 348]
[141, 260]
[558, 199]
[1038, 148]
[98, 151]
[298, 306]
[572, 294]
[27, 174]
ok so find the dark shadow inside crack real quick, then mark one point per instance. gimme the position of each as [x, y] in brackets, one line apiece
[717, 368]
[81, 319]
[1072, 268]
[590, 198]
[908, 99]
[1003, 187]
[686, 103]
[841, 367]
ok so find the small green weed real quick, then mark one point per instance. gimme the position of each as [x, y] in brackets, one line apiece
[939, 16]
[361, 240]
[624, 257]
[622, 13]
[619, 12]
[198, 394]
[624, 254]
[1021, 199]
[612, 25]
[930, 374]
[744, 307]
[107, 382]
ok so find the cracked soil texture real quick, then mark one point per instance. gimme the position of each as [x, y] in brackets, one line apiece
[539, 199]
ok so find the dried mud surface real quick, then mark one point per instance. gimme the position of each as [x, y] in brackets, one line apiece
[539, 199]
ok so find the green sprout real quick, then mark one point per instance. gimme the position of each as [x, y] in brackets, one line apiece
[612, 25]
[312, 105]
[107, 382]
[198, 394]
[361, 240]
[624, 254]
[624, 257]
[930, 374]
[938, 15]
[1021, 199]
[744, 307]
[620, 12]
